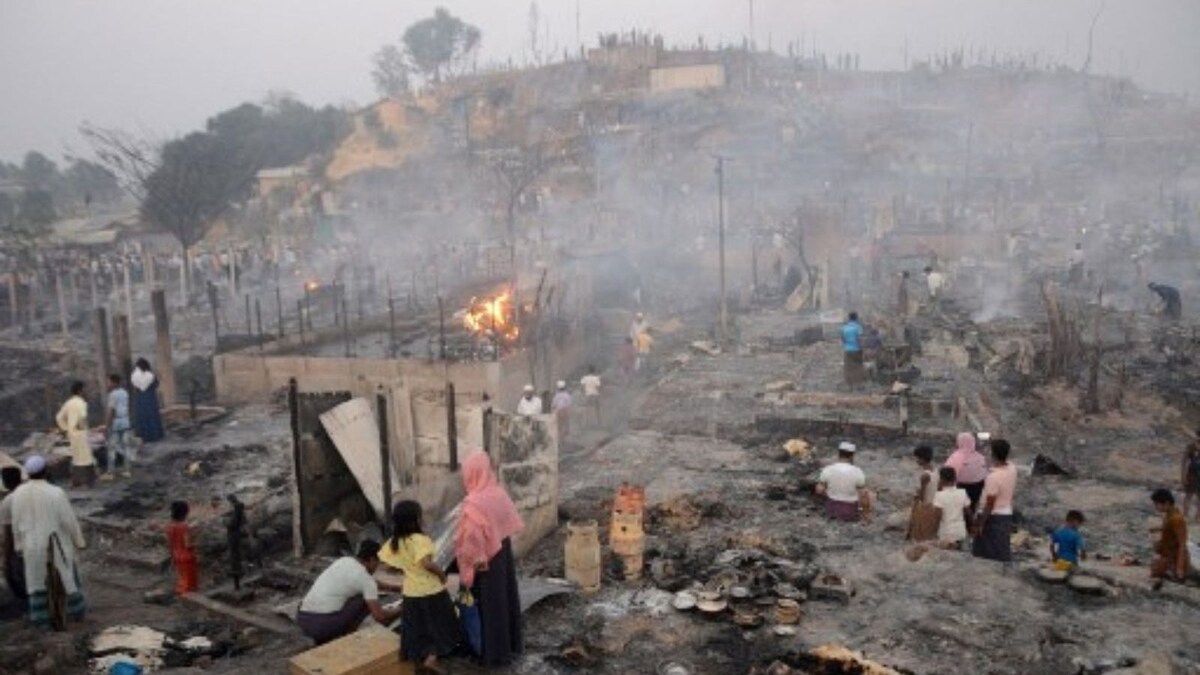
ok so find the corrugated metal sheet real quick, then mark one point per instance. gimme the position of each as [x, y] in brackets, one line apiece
[355, 433]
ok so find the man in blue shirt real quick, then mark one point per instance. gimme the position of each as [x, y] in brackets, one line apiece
[120, 441]
[852, 367]
[1066, 544]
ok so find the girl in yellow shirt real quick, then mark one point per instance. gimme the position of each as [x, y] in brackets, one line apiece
[429, 625]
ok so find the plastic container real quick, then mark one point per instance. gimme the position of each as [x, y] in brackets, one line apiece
[583, 554]
[630, 500]
[628, 542]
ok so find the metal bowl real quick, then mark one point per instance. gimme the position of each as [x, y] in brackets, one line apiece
[684, 601]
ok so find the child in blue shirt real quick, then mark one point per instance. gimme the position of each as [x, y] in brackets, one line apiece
[1066, 544]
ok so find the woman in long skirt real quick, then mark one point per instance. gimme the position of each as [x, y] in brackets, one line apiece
[147, 421]
[485, 559]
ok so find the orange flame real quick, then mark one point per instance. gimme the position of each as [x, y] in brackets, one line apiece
[496, 314]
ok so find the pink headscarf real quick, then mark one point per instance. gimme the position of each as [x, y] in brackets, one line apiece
[967, 462]
[488, 517]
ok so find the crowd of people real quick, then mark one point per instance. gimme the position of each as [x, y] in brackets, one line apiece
[42, 535]
[968, 504]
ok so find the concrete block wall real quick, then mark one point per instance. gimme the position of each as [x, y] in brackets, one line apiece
[526, 451]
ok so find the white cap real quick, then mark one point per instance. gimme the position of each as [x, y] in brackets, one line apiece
[640, 315]
[846, 446]
[529, 389]
[562, 385]
[35, 464]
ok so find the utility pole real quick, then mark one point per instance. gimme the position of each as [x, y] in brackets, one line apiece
[721, 247]
[751, 41]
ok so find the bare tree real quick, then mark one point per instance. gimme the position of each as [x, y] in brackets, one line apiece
[516, 169]
[130, 158]
[390, 72]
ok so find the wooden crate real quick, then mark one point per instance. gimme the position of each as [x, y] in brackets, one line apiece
[371, 651]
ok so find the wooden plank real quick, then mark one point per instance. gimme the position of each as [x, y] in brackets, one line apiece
[372, 651]
[269, 624]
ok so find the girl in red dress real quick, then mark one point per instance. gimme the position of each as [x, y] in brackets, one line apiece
[183, 553]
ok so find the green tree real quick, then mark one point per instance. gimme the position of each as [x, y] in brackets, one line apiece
[39, 172]
[390, 73]
[8, 210]
[192, 186]
[35, 209]
[88, 182]
[439, 42]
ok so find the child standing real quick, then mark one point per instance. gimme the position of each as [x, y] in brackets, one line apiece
[1066, 544]
[429, 625]
[924, 519]
[954, 506]
[183, 553]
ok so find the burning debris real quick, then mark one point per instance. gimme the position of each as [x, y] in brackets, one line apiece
[493, 322]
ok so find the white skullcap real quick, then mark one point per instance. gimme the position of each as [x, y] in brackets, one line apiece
[528, 388]
[846, 446]
[35, 464]
[562, 385]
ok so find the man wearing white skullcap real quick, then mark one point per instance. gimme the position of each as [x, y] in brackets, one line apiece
[530, 403]
[43, 521]
[845, 487]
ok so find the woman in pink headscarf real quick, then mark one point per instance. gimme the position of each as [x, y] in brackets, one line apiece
[483, 548]
[970, 467]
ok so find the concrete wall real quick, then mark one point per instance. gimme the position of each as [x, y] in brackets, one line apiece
[624, 56]
[687, 77]
[526, 451]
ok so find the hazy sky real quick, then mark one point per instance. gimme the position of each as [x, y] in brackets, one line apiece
[163, 66]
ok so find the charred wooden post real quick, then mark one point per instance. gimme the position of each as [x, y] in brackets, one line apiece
[162, 330]
[345, 320]
[63, 319]
[214, 303]
[13, 301]
[300, 321]
[258, 319]
[385, 454]
[293, 400]
[279, 311]
[337, 315]
[441, 329]
[451, 426]
[122, 345]
[391, 326]
[103, 353]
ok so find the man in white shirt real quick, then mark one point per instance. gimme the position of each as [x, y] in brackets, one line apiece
[591, 391]
[1076, 265]
[639, 326]
[845, 487]
[72, 420]
[936, 281]
[342, 597]
[530, 403]
[46, 533]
